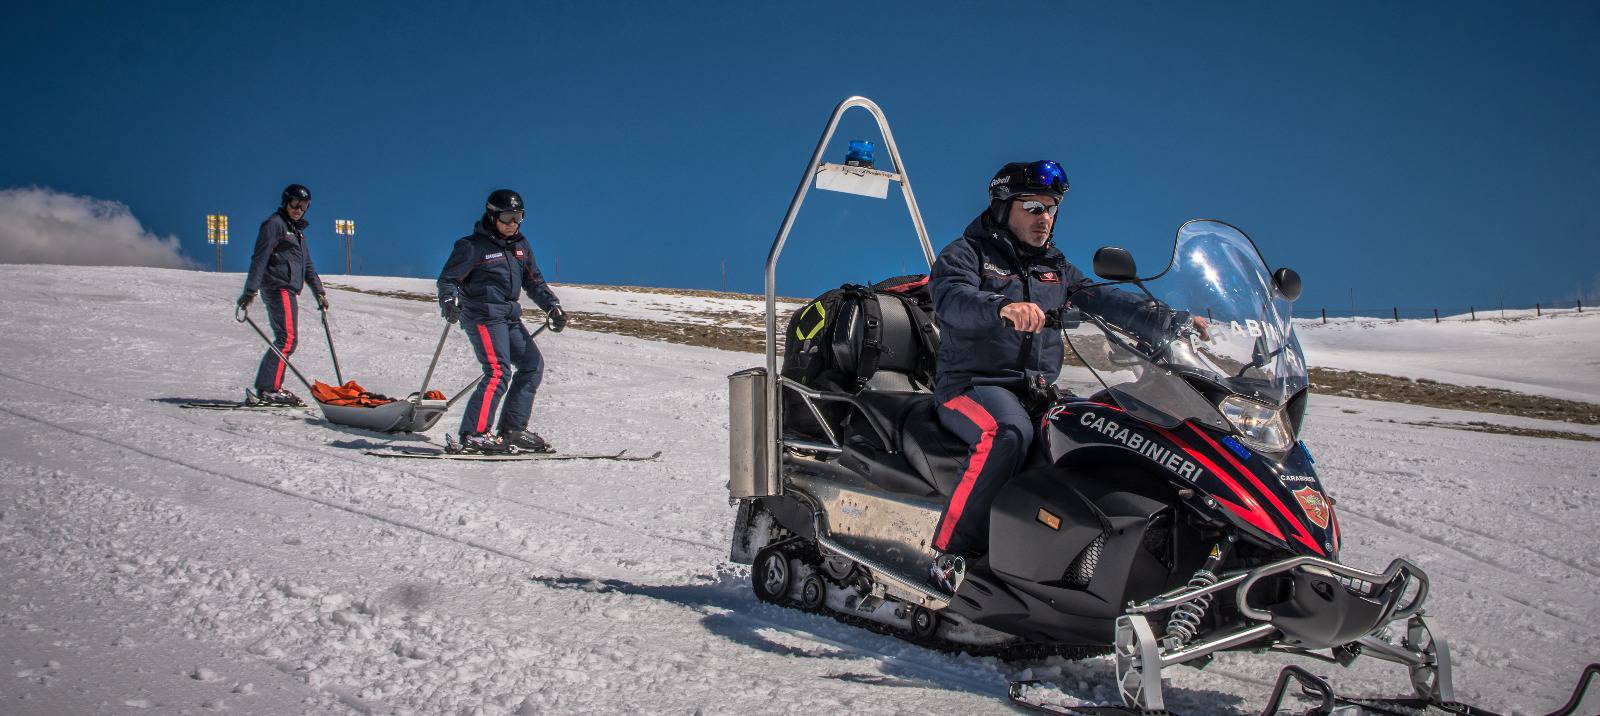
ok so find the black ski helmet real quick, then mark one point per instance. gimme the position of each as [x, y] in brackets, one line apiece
[503, 200]
[295, 191]
[1042, 178]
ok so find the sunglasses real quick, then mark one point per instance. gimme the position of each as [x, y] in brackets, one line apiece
[509, 218]
[299, 205]
[1038, 207]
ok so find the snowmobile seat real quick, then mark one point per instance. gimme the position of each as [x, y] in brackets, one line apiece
[888, 408]
[864, 452]
[937, 454]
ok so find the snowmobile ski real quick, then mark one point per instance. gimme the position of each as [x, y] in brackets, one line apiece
[1018, 699]
[619, 456]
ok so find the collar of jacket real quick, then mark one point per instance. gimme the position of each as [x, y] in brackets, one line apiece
[984, 228]
[296, 226]
[483, 230]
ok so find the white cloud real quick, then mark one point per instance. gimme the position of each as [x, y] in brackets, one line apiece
[44, 226]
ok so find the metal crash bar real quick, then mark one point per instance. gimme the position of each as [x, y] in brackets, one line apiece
[774, 434]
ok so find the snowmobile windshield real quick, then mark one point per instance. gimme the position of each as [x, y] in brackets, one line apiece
[1213, 315]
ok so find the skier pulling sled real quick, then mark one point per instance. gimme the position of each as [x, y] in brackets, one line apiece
[1170, 516]
[414, 414]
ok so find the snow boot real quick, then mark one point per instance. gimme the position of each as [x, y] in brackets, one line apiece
[484, 444]
[526, 441]
[946, 572]
[273, 397]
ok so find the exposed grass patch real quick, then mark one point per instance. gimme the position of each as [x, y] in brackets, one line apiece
[1433, 394]
[1479, 426]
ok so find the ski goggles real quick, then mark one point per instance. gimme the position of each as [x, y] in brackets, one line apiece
[509, 218]
[298, 205]
[1038, 207]
[1045, 174]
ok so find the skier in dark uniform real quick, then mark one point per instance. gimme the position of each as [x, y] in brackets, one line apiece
[280, 267]
[479, 286]
[992, 289]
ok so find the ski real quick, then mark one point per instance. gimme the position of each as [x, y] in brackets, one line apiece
[239, 406]
[619, 456]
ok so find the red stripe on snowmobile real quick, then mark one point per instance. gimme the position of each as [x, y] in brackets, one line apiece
[288, 339]
[971, 410]
[1300, 529]
[486, 405]
[1251, 510]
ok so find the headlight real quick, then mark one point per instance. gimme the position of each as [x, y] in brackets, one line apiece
[1259, 426]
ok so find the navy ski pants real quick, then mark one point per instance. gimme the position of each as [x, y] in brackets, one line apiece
[283, 311]
[502, 346]
[993, 422]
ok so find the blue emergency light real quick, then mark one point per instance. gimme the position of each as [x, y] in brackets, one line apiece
[860, 153]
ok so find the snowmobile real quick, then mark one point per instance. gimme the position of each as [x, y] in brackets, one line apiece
[1170, 515]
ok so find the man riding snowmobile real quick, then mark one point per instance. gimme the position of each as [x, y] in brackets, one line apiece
[992, 289]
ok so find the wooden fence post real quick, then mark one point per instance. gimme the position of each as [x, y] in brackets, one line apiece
[1435, 315]
[1324, 316]
[1396, 314]
[1474, 311]
[1538, 311]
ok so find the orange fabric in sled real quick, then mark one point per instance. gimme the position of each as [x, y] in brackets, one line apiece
[353, 395]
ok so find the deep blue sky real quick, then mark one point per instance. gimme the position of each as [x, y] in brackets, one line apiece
[1421, 153]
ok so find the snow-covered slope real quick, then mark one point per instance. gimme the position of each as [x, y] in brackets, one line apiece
[1556, 355]
[161, 560]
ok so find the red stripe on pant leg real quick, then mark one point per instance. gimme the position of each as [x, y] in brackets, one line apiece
[288, 340]
[494, 379]
[971, 410]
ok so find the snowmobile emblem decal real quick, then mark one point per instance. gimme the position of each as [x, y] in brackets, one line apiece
[1314, 505]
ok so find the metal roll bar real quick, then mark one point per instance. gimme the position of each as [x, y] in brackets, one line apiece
[774, 404]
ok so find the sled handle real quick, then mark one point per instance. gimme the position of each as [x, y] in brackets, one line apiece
[242, 315]
[337, 374]
[435, 362]
[432, 363]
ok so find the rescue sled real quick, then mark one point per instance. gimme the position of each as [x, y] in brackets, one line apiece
[415, 413]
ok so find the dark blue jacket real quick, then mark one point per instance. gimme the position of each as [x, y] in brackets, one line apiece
[281, 259]
[986, 269]
[490, 273]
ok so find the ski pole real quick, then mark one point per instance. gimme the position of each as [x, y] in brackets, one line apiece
[329, 333]
[242, 315]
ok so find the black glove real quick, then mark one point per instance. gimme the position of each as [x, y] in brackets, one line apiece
[245, 299]
[450, 309]
[558, 319]
[322, 301]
